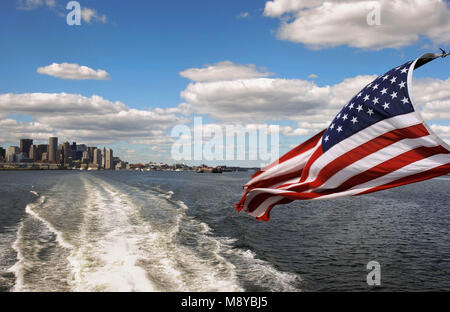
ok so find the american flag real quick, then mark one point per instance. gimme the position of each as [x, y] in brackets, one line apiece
[377, 141]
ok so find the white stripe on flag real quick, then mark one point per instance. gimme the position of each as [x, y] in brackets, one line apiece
[363, 136]
[414, 168]
[375, 159]
[261, 210]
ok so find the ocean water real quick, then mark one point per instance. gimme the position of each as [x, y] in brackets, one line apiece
[178, 231]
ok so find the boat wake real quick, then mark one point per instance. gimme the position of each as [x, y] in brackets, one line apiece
[121, 238]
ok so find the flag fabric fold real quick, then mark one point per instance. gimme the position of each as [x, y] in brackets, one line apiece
[377, 141]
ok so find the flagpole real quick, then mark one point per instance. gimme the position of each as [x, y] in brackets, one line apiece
[444, 54]
[428, 57]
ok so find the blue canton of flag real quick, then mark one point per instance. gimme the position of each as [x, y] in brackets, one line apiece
[385, 97]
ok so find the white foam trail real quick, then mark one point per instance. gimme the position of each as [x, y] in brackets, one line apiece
[171, 265]
[168, 195]
[19, 267]
[116, 249]
[107, 260]
[59, 236]
[257, 270]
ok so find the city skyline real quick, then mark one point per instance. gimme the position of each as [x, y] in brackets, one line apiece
[65, 154]
[91, 157]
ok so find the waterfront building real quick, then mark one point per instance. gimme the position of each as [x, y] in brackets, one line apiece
[25, 145]
[41, 149]
[103, 158]
[81, 148]
[91, 150]
[109, 163]
[67, 152]
[85, 158]
[2, 154]
[21, 157]
[52, 150]
[97, 157]
[11, 154]
[33, 153]
[77, 154]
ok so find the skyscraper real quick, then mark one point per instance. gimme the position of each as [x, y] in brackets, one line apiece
[33, 153]
[41, 149]
[97, 157]
[67, 153]
[91, 150]
[25, 145]
[12, 153]
[2, 154]
[103, 157]
[109, 164]
[52, 148]
[85, 159]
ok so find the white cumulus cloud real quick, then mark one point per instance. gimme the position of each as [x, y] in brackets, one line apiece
[89, 15]
[322, 24]
[433, 98]
[86, 119]
[275, 99]
[73, 71]
[305, 102]
[226, 70]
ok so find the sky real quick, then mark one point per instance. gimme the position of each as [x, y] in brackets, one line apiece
[133, 71]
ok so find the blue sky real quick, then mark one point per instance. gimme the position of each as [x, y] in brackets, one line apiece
[144, 45]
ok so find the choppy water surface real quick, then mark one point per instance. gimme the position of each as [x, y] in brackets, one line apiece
[178, 231]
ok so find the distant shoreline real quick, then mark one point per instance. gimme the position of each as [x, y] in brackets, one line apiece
[102, 169]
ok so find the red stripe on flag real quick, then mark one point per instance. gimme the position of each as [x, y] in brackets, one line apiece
[258, 200]
[360, 152]
[275, 180]
[317, 153]
[266, 216]
[373, 173]
[428, 174]
[387, 167]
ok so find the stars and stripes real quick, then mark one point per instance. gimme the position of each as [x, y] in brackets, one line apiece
[378, 101]
[377, 141]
